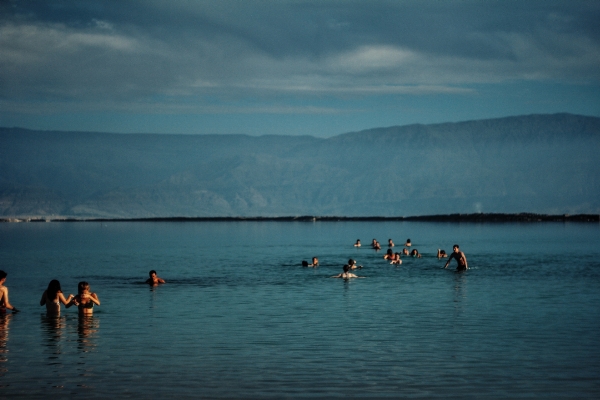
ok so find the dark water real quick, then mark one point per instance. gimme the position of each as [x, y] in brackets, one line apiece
[239, 317]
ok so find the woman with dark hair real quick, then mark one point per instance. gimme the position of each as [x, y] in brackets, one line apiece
[53, 296]
[85, 299]
[415, 253]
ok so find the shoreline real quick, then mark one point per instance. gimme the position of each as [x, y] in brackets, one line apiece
[475, 217]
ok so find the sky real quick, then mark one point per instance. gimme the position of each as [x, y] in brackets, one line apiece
[318, 68]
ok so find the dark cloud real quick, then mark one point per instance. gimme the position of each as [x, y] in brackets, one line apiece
[114, 54]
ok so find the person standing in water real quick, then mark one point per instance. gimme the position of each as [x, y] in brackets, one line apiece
[346, 274]
[460, 258]
[53, 296]
[85, 299]
[154, 279]
[4, 303]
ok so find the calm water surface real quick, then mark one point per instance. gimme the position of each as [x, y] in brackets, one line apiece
[240, 318]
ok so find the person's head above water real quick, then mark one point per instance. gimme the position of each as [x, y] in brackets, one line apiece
[346, 268]
[53, 288]
[82, 287]
[152, 272]
[455, 248]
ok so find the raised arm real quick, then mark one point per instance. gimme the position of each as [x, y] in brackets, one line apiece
[62, 299]
[94, 298]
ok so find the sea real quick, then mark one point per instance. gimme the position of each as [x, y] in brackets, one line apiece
[239, 317]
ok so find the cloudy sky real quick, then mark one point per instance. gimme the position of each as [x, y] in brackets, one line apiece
[292, 67]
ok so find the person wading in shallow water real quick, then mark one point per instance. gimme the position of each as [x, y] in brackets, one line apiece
[460, 258]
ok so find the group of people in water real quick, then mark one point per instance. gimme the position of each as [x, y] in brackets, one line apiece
[86, 299]
[53, 296]
[395, 258]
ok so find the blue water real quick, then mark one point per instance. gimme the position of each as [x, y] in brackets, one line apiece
[240, 318]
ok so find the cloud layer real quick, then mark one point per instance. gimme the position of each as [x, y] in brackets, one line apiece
[231, 56]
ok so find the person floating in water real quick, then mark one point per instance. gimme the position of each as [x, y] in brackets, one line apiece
[346, 274]
[374, 243]
[4, 303]
[408, 244]
[460, 258]
[53, 296]
[405, 251]
[357, 244]
[377, 246]
[154, 280]
[315, 263]
[388, 255]
[390, 243]
[85, 299]
[415, 253]
[396, 259]
[441, 254]
[352, 264]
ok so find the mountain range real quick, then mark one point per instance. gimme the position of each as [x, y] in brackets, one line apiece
[534, 163]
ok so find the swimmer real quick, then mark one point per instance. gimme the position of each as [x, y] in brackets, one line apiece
[390, 243]
[85, 299]
[346, 274]
[357, 244]
[377, 246]
[53, 296]
[315, 262]
[388, 255]
[460, 258]
[374, 243]
[396, 259]
[415, 253]
[441, 254]
[405, 251]
[407, 244]
[4, 303]
[352, 264]
[154, 280]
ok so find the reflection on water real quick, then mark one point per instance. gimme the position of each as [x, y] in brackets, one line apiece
[87, 330]
[53, 326]
[4, 322]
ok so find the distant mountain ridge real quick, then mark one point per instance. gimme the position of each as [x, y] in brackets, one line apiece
[535, 163]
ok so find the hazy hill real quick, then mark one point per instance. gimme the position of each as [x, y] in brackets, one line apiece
[536, 163]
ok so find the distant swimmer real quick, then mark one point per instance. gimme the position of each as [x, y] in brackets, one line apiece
[460, 258]
[405, 251]
[374, 243]
[390, 243]
[4, 303]
[315, 263]
[85, 299]
[441, 254]
[377, 246]
[407, 244]
[415, 253]
[352, 264]
[357, 244]
[396, 259]
[53, 296]
[154, 279]
[346, 274]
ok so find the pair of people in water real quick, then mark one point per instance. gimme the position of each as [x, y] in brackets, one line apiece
[84, 300]
[315, 263]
